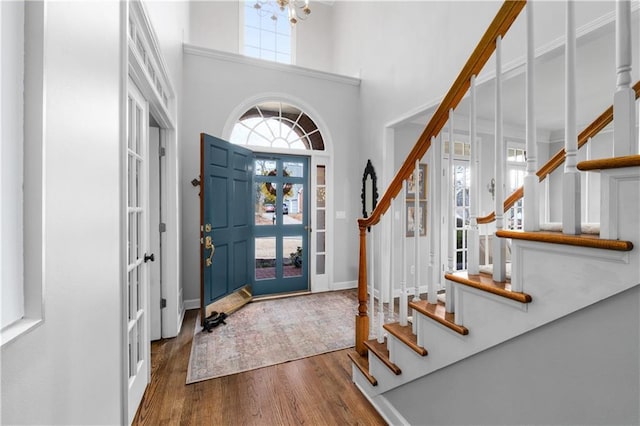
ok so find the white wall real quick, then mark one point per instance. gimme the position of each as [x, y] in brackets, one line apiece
[572, 371]
[68, 370]
[11, 155]
[214, 88]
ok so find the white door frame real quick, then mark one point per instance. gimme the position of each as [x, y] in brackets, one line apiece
[144, 66]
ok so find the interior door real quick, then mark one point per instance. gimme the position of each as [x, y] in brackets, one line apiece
[225, 218]
[281, 224]
[137, 224]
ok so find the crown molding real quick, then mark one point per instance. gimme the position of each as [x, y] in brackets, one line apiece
[191, 49]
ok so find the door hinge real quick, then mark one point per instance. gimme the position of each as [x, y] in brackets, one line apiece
[162, 151]
[163, 303]
[163, 227]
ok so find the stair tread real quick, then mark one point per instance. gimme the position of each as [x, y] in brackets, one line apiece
[380, 350]
[486, 283]
[362, 362]
[437, 312]
[406, 336]
[583, 240]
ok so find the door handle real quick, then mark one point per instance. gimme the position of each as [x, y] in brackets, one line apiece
[208, 245]
[150, 257]
[308, 228]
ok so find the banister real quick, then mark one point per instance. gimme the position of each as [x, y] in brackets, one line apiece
[483, 51]
[556, 161]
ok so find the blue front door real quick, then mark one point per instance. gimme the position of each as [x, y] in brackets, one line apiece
[226, 225]
[281, 221]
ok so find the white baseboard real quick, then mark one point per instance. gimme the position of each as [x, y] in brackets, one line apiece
[344, 285]
[191, 304]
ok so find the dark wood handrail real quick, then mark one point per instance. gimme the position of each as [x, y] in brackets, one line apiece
[554, 162]
[483, 51]
[503, 20]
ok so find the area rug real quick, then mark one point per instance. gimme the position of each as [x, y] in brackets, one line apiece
[270, 332]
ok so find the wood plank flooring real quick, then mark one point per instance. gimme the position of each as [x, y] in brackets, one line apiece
[312, 391]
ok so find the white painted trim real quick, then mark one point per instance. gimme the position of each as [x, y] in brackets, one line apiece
[344, 285]
[191, 304]
[275, 66]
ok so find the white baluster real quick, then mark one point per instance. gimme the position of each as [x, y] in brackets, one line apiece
[402, 301]
[432, 295]
[571, 179]
[624, 99]
[416, 230]
[381, 306]
[499, 260]
[392, 262]
[451, 215]
[531, 187]
[372, 288]
[473, 237]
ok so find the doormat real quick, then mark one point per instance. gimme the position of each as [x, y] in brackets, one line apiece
[275, 331]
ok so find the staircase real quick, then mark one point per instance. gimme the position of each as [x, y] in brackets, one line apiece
[555, 275]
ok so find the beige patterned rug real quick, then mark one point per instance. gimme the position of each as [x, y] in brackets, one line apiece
[274, 331]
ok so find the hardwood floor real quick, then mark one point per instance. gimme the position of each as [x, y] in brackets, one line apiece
[312, 391]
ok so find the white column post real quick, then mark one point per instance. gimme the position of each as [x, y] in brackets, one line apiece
[403, 302]
[473, 237]
[624, 99]
[432, 295]
[416, 230]
[531, 187]
[499, 260]
[571, 178]
[451, 215]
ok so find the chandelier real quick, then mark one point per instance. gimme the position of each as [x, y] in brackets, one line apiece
[297, 10]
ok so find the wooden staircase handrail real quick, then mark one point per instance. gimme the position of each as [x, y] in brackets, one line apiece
[554, 162]
[483, 51]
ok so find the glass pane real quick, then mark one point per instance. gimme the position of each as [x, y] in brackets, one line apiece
[321, 195]
[293, 198]
[140, 334]
[132, 238]
[283, 44]
[254, 52]
[137, 183]
[320, 242]
[268, 55]
[293, 168]
[265, 258]
[131, 356]
[265, 167]
[320, 219]
[138, 137]
[130, 289]
[251, 37]
[292, 256]
[265, 205]
[320, 264]
[320, 180]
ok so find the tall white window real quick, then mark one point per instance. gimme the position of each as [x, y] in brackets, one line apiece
[267, 33]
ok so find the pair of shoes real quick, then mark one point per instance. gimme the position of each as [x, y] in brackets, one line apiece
[214, 320]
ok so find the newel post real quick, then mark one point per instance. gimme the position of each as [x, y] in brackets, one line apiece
[362, 319]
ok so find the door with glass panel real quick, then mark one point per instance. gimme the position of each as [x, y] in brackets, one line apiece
[281, 224]
[138, 347]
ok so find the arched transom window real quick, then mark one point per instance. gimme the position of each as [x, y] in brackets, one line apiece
[277, 125]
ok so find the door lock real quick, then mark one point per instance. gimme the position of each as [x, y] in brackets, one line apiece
[207, 227]
[208, 245]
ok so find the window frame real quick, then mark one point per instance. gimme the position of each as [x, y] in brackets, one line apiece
[241, 29]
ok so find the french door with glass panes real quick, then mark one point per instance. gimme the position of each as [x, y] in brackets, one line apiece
[281, 224]
[137, 183]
